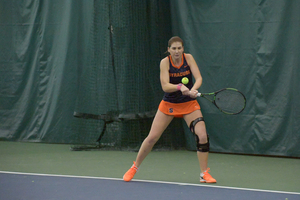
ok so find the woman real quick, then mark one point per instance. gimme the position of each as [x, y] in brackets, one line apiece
[179, 101]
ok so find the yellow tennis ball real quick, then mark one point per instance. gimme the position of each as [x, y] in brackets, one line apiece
[185, 80]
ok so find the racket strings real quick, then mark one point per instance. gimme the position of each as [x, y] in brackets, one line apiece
[230, 101]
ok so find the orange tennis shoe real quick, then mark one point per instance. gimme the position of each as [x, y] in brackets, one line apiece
[205, 177]
[130, 173]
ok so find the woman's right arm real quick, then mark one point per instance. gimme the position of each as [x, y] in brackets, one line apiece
[165, 79]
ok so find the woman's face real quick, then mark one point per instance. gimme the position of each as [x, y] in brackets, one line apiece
[176, 50]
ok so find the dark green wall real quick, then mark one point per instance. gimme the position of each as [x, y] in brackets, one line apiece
[59, 56]
[252, 46]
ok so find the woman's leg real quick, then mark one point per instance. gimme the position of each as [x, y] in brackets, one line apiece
[200, 130]
[159, 124]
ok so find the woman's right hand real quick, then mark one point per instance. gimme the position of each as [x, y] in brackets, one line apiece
[184, 90]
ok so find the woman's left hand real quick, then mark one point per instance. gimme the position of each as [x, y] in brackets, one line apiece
[193, 93]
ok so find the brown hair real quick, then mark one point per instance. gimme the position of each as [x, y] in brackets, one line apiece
[172, 40]
[175, 39]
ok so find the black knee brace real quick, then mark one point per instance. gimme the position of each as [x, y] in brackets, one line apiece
[200, 147]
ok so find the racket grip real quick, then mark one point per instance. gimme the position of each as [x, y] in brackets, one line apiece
[199, 94]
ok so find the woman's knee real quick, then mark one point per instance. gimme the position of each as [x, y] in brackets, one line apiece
[151, 140]
[203, 137]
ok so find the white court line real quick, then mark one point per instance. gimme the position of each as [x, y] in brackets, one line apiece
[150, 181]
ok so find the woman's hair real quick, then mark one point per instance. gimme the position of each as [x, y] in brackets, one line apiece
[172, 40]
[175, 39]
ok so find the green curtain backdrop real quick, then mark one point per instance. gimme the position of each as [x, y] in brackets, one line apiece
[61, 56]
[40, 44]
[252, 46]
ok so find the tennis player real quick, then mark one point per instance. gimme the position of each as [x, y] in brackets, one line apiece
[179, 101]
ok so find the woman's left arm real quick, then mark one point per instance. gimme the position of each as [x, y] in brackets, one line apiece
[196, 73]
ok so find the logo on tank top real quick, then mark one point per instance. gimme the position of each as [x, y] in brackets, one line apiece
[180, 74]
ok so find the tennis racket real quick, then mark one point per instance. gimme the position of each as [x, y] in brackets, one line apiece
[228, 100]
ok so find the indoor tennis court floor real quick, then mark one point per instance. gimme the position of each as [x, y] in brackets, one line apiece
[51, 171]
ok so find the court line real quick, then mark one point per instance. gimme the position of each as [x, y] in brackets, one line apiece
[150, 181]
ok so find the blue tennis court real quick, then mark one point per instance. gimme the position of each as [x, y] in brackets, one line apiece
[43, 186]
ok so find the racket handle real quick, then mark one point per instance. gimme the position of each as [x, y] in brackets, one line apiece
[199, 94]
